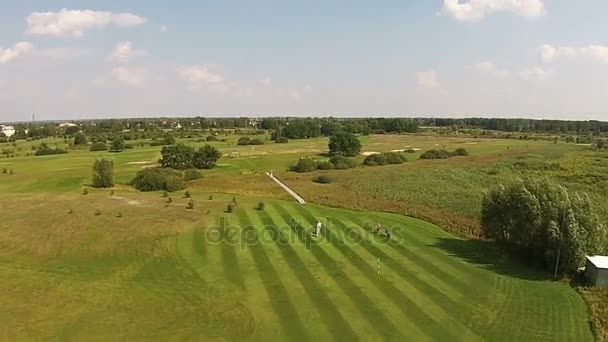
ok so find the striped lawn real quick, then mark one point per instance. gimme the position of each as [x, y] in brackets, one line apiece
[349, 284]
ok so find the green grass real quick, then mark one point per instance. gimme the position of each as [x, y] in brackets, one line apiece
[172, 273]
[167, 273]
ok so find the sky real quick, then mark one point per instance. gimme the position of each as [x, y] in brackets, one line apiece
[69, 59]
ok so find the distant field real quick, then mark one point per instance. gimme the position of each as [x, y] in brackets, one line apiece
[171, 273]
[158, 272]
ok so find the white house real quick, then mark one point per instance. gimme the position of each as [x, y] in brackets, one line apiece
[7, 130]
[596, 270]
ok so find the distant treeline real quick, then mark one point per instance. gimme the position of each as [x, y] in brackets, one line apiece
[300, 128]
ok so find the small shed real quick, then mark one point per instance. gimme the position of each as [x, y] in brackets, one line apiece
[596, 270]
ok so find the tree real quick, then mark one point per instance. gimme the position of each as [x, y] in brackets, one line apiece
[118, 145]
[206, 157]
[544, 223]
[80, 139]
[344, 143]
[103, 173]
[179, 157]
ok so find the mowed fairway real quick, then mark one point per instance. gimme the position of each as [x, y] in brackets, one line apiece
[176, 274]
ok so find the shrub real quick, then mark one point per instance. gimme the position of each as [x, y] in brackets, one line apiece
[155, 179]
[410, 150]
[256, 141]
[342, 163]
[97, 212]
[325, 165]
[435, 154]
[187, 194]
[179, 157]
[323, 179]
[344, 143]
[261, 206]
[459, 152]
[119, 214]
[281, 140]
[103, 173]
[80, 139]
[212, 138]
[165, 193]
[394, 158]
[98, 146]
[169, 200]
[190, 204]
[375, 160]
[230, 208]
[243, 141]
[111, 192]
[192, 174]
[211, 197]
[304, 165]
[85, 191]
[70, 211]
[4, 171]
[46, 151]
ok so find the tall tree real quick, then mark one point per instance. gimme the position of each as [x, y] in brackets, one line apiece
[103, 173]
[344, 143]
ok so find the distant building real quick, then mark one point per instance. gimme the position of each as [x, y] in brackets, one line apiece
[596, 270]
[8, 131]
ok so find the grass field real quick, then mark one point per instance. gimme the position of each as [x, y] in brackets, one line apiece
[171, 273]
[164, 272]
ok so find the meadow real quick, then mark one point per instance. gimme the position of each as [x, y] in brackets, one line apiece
[128, 265]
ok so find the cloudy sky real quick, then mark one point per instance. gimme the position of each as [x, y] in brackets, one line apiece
[113, 58]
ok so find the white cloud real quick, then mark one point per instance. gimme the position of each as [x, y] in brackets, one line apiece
[534, 74]
[472, 10]
[427, 79]
[129, 76]
[549, 53]
[7, 55]
[164, 29]
[124, 52]
[490, 68]
[197, 74]
[266, 81]
[63, 53]
[73, 23]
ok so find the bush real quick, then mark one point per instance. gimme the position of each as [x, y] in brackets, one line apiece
[118, 145]
[410, 150]
[459, 152]
[80, 139]
[212, 138]
[190, 204]
[46, 151]
[192, 174]
[342, 163]
[187, 194]
[325, 166]
[4, 171]
[261, 206]
[206, 157]
[179, 157]
[98, 146]
[85, 191]
[281, 140]
[435, 154]
[243, 141]
[97, 212]
[230, 208]
[375, 160]
[165, 193]
[344, 143]
[323, 179]
[103, 173]
[11, 172]
[304, 165]
[394, 158]
[256, 141]
[211, 197]
[155, 179]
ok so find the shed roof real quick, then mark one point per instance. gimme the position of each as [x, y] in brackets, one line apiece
[599, 261]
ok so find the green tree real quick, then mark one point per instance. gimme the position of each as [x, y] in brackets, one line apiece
[206, 157]
[80, 139]
[179, 157]
[118, 145]
[344, 143]
[544, 223]
[103, 173]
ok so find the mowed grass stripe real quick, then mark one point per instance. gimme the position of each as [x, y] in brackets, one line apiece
[230, 260]
[380, 322]
[290, 321]
[410, 309]
[459, 271]
[424, 293]
[330, 316]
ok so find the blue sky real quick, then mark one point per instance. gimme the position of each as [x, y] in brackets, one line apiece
[448, 58]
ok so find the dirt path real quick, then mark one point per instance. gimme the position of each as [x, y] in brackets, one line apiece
[291, 192]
